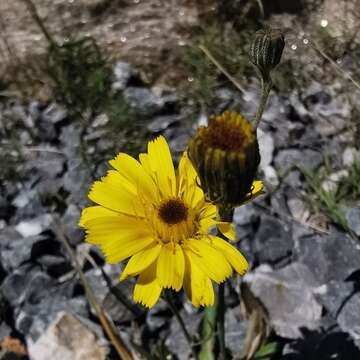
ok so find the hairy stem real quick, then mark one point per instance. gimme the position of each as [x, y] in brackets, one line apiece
[266, 84]
[225, 214]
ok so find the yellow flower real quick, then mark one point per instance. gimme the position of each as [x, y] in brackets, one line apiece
[158, 217]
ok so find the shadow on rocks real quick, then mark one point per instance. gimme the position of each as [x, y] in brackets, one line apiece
[317, 345]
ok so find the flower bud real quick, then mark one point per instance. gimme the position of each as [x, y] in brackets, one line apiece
[266, 50]
[226, 156]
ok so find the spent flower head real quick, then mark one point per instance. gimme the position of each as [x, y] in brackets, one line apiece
[226, 156]
[158, 218]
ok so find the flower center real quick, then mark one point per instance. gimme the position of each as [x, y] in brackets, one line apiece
[228, 132]
[173, 211]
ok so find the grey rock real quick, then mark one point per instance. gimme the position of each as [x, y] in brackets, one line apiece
[332, 117]
[34, 110]
[58, 341]
[35, 226]
[77, 181]
[15, 249]
[298, 209]
[71, 227]
[49, 162]
[23, 198]
[288, 296]
[350, 155]
[123, 72]
[113, 306]
[330, 257]
[349, 317]
[235, 331]
[54, 113]
[179, 143]
[100, 120]
[224, 99]
[294, 179]
[244, 219]
[266, 147]
[160, 123]
[245, 215]
[271, 176]
[48, 188]
[33, 319]
[155, 321]
[143, 101]
[176, 341]
[5, 330]
[333, 295]
[95, 135]
[273, 241]
[353, 219]
[20, 283]
[70, 139]
[306, 158]
[37, 298]
[55, 265]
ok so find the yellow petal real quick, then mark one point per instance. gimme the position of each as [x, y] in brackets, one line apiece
[94, 212]
[118, 241]
[112, 195]
[257, 189]
[171, 266]
[114, 178]
[133, 171]
[162, 165]
[233, 256]
[208, 211]
[140, 261]
[145, 162]
[147, 289]
[206, 224]
[115, 253]
[110, 229]
[211, 261]
[227, 229]
[197, 286]
[189, 189]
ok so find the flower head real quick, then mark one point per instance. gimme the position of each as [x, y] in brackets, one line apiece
[159, 219]
[226, 156]
[266, 50]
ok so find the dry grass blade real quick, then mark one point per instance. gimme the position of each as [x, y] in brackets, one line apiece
[345, 74]
[118, 344]
[259, 329]
[221, 68]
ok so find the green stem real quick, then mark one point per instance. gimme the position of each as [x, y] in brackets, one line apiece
[266, 85]
[207, 333]
[221, 321]
[225, 214]
[175, 311]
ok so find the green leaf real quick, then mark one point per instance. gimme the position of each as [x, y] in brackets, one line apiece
[207, 334]
[266, 351]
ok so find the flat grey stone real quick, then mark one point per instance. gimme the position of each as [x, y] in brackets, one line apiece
[288, 296]
[353, 219]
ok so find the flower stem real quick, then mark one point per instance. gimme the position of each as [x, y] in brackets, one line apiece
[175, 311]
[225, 214]
[266, 84]
[221, 321]
[208, 326]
